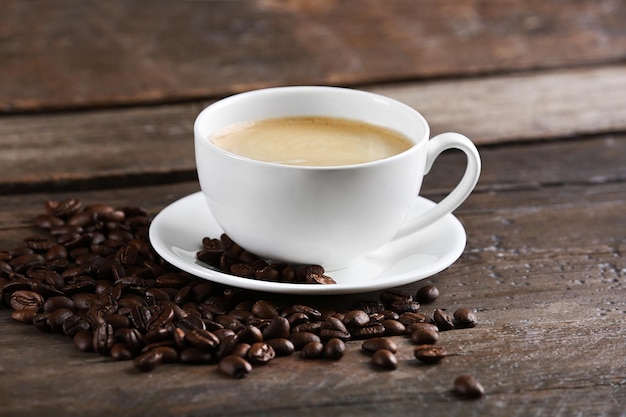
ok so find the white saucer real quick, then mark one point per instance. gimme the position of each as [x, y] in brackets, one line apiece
[176, 234]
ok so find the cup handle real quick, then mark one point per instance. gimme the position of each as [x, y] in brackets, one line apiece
[436, 146]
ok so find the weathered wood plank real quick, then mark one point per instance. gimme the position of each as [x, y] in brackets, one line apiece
[549, 297]
[60, 54]
[149, 144]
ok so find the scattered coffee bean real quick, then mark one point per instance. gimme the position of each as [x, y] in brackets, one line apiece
[385, 359]
[378, 343]
[427, 294]
[334, 349]
[429, 353]
[464, 318]
[443, 320]
[234, 366]
[312, 350]
[425, 336]
[468, 387]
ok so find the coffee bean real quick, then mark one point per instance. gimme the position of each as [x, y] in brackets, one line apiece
[278, 328]
[300, 339]
[312, 350]
[26, 300]
[425, 336]
[356, 318]
[197, 356]
[303, 311]
[464, 318]
[319, 279]
[420, 325]
[202, 339]
[57, 318]
[429, 353]
[385, 359]
[427, 294]
[468, 387]
[54, 303]
[147, 361]
[260, 353]
[282, 346]
[168, 354]
[393, 296]
[74, 324]
[234, 366]
[241, 350]
[378, 343]
[63, 209]
[443, 320]
[264, 310]
[83, 340]
[103, 339]
[120, 352]
[334, 349]
[161, 318]
[393, 327]
[24, 316]
[250, 334]
[408, 318]
[368, 331]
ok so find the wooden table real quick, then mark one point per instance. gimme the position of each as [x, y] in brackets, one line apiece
[97, 101]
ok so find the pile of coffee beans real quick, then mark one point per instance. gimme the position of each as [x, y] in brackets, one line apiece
[93, 276]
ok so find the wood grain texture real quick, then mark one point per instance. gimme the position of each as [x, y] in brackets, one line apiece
[143, 145]
[75, 53]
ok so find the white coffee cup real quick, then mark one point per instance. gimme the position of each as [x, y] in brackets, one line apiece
[331, 216]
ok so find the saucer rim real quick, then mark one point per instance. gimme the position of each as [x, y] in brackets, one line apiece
[199, 270]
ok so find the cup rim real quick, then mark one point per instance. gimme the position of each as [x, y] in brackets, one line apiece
[229, 100]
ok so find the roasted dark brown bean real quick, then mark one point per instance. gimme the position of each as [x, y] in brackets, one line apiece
[443, 320]
[464, 318]
[468, 387]
[385, 359]
[146, 362]
[282, 346]
[312, 350]
[103, 339]
[356, 318]
[24, 316]
[427, 294]
[378, 343]
[202, 339]
[26, 300]
[234, 366]
[194, 355]
[334, 349]
[120, 352]
[368, 331]
[425, 336]
[393, 328]
[429, 353]
[302, 338]
[83, 340]
[57, 318]
[278, 328]
[264, 310]
[260, 353]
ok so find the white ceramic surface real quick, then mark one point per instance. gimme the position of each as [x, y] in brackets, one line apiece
[332, 216]
[176, 234]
